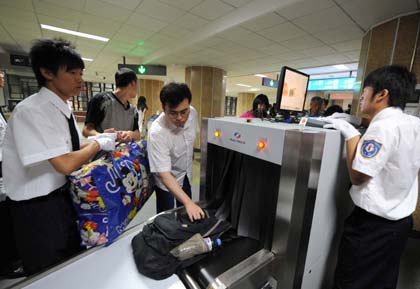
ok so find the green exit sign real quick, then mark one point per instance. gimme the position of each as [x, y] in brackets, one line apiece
[145, 69]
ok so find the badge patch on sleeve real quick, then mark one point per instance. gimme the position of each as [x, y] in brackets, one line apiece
[370, 148]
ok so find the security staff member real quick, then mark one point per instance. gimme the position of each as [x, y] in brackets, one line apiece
[40, 148]
[383, 165]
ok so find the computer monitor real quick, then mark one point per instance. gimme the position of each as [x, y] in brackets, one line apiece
[291, 91]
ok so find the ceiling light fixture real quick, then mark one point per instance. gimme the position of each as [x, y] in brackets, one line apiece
[244, 85]
[261, 75]
[254, 89]
[81, 34]
[341, 66]
[87, 59]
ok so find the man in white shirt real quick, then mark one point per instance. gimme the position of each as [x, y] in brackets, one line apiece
[170, 150]
[40, 149]
[383, 165]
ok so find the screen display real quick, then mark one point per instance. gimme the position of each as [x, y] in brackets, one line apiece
[292, 88]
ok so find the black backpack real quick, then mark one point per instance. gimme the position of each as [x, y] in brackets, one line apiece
[152, 246]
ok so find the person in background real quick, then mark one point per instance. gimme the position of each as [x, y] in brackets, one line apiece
[111, 112]
[315, 107]
[141, 112]
[333, 109]
[170, 150]
[259, 109]
[10, 265]
[324, 105]
[41, 147]
[383, 165]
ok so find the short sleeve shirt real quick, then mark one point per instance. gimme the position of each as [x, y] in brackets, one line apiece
[389, 152]
[105, 111]
[37, 131]
[170, 149]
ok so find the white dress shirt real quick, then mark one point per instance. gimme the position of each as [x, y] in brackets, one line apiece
[170, 148]
[38, 130]
[389, 152]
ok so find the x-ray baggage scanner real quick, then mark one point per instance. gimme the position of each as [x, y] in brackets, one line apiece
[283, 187]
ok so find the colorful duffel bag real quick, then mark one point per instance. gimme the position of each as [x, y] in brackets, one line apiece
[109, 191]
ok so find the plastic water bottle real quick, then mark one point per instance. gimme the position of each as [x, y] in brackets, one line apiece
[194, 246]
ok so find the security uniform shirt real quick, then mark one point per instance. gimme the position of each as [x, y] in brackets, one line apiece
[38, 130]
[171, 148]
[106, 111]
[389, 152]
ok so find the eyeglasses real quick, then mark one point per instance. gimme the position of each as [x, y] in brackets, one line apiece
[182, 113]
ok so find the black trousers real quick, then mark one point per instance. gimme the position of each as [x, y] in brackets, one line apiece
[45, 230]
[8, 251]
[166, 201]
[370, 251]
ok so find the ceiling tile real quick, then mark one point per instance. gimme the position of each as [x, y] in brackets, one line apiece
[352, 55]
[159, 10]
[302, 43]
[226, 46]
[191, 21]
[106, 11]
[182, 4]
[211, 9]
[318, 51]
[281, 32]
[274, 49]
[174, 31]
[305, 62]
[127, 4]
[211, 42]
[317, 22]
[379, 10]
[263, 22]
[237, 3]
[99, 26]
[340, 34]
[74, 5]
[254, 40]
[65, 13]
[291, 55]
[145, 22]
[332, 59]
[58, 22]
[21, 5]
[348, 45]
[234, 34]
[302, 8]
[16, 26]
[132, 34]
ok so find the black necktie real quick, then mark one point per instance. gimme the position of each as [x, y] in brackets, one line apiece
[73, 134]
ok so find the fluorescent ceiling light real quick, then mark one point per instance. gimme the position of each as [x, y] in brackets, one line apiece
[341, 66]
[81, 34]
[244, 85]
[87, 59]
[261, 75]
[254, 89]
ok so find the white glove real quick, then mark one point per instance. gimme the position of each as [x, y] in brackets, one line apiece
[106, 141]
[357, 121]
[346, 129]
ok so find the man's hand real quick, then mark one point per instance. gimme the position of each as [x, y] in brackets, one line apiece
[194, 211]
[346, 129]
[124, 136]
[110, 130]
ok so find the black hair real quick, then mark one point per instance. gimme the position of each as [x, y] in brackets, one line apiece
[53, 54]
[333, 109]
[174, 93]
[260, 99]
[317, 99]
[397, 79]
[141, 103]
[124, 76]
[326, 101]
